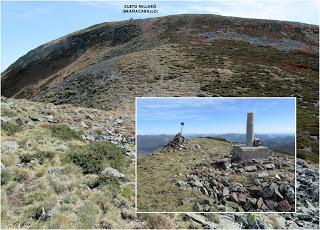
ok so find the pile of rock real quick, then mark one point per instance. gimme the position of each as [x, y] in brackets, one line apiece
[176, 144]
[306, 216]
[268, 189]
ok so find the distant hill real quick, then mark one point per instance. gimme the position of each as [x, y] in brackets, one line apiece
[277, 142]
[107, 65]
[283, 143]
[151, 143]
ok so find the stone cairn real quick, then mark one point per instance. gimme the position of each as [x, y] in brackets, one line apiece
[176, 144]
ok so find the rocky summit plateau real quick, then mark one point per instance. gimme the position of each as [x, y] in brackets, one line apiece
[202, 178]
[107, 65]
[212, 182]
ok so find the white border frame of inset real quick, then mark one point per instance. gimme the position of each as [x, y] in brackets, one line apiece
[220, 98]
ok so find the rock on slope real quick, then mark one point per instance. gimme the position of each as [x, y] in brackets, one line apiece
[107, 65]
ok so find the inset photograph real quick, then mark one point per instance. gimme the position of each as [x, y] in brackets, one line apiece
[211, 154]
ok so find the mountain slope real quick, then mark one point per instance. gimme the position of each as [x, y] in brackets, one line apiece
[107, 65]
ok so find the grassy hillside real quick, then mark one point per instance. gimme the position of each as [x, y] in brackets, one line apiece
[53, 177]
[158, 173]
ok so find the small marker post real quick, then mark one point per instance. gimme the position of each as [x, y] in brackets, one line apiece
[182, 124]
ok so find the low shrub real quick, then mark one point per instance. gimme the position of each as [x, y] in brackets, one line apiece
[5, 176]
[41, 171]
[111, 183]
[37, 195]
[11, 187]
[10, 128]
[63, 132]
[157, 221]
[88, 214]
[63, 220]
[41, 156]
[21, 174]
[8, 159]
[5, 112]
[26, 158]
[94, 157]
[61, 183]
[36, 211]
[128, 192]
[70, 199]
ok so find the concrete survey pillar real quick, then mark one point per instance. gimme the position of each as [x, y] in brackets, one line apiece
[250, 129]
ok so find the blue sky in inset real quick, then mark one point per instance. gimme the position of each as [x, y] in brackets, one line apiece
[26, 25]
[214, 115]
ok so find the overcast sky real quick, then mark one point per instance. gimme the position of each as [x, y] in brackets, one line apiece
[26, 25]
[214, 115]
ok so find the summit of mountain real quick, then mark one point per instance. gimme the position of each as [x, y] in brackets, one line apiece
[107, 65]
